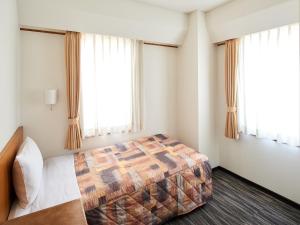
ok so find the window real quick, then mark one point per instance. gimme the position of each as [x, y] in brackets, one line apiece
[110, 85]
[269, 85]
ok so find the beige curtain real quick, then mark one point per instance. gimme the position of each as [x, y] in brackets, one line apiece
[137, 86]
[231, 58]
[72, 57]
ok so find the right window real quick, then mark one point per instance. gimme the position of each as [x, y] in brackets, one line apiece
[269, 85]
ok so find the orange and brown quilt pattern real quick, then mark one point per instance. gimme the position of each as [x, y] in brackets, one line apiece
[145, 181]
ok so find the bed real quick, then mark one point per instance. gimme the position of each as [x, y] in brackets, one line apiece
[145, 181]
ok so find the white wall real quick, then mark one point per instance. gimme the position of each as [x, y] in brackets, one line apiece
[207, 141]
[196, 89]
[187, 86]
[9, 42]
[241, 17]
[116, 17]
[267, 163]
[42, 64]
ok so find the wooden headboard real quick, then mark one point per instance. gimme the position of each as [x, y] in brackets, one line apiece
[7, 157]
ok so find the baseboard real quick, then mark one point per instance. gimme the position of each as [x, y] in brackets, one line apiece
[272, 193]
[215, 168]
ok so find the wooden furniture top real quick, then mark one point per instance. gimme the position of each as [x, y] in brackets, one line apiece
[64, 214]
[7, 158]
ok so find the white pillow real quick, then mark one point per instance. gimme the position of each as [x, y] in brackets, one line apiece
[27, 172]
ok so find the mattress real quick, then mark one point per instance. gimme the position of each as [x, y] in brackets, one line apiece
[145, 181]
[59, 185]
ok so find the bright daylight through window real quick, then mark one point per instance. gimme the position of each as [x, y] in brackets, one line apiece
[269, 85]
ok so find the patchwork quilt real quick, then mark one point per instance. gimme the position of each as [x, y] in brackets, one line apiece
[145, 181]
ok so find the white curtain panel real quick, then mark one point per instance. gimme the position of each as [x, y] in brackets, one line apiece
[269, 85]
[111, 85]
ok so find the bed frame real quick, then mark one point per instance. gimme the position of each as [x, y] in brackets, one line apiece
[7, 157]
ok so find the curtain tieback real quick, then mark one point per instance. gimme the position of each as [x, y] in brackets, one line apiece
[231, 109]
[73, 121]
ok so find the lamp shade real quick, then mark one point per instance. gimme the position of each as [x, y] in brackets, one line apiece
[51, 96]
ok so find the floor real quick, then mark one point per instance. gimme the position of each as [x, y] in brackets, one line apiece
[237, 202]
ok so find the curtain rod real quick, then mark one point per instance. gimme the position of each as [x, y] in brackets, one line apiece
[43, 31]
[64, 32]
[220, 43]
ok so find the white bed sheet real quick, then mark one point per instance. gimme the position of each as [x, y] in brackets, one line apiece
[59, 185]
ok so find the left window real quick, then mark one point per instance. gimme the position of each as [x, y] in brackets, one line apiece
[110, 85]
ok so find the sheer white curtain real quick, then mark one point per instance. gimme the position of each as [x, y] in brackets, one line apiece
[269, 85]
[110, 80]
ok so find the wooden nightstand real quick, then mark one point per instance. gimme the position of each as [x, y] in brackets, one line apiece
[70, 213]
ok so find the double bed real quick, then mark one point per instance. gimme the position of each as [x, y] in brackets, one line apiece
[145, 181]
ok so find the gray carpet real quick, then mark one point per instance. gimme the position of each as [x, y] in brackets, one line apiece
[237, 202]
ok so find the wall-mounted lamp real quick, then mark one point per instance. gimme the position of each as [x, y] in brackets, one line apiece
[51, 97]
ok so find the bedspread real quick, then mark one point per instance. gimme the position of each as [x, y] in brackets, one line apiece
[145, 181]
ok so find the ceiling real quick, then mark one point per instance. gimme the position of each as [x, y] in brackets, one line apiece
[186, 5]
